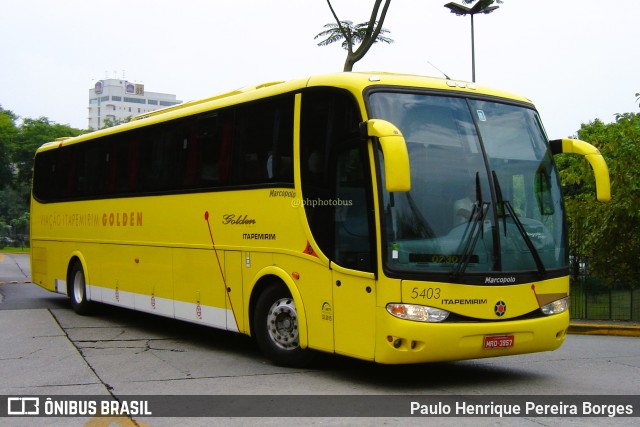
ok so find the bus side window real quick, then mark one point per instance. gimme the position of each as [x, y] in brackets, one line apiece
[117, 167]
[336, 178]
[251, 144]
[93, 177]
[351, 213]
[225, 150]
[204, 148]
[263, 143]
[133, 153]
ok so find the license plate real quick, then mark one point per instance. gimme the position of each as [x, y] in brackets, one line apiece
[498, 341]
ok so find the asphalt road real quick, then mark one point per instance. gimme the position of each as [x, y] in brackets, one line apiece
[48, 350]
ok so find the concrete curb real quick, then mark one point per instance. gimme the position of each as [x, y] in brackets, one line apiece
[585, 328]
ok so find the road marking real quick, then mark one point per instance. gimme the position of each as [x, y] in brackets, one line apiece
[114, 421]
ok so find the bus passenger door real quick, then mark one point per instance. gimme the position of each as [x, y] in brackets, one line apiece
[336, 185]
[353, 280]
[353, 312]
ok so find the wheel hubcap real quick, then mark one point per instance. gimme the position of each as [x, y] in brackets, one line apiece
[282, 323]
[78, 287]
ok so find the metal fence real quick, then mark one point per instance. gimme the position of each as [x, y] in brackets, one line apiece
[591, 300]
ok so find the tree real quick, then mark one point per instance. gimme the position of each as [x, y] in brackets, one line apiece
[32, 134]
[356, 33]
[8, 133]
[18, 145]
[357, 39]
[606, 234]
[107, 123]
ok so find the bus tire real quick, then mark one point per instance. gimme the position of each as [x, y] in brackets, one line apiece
[276, 328]
[77, 290]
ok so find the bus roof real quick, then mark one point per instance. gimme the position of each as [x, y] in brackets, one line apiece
[204, 100]
[366, 79]
[351, 80]
[355, 82]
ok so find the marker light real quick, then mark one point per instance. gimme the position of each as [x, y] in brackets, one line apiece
[556, 307]
[418, 313]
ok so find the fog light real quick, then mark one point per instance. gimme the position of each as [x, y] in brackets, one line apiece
[418, 313]
[556, 307]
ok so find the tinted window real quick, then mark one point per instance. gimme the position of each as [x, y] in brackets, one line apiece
[336, 178]
[250, 144]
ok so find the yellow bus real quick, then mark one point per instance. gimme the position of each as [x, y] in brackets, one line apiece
[391, 218]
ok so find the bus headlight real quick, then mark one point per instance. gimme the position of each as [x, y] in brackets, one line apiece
[556, 307]
[419, 313]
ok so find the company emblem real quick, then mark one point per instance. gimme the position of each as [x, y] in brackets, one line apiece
[500, 309]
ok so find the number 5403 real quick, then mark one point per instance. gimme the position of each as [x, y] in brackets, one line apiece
[425, 293]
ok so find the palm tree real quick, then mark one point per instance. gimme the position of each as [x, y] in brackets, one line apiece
[362, 35]
[356, 33]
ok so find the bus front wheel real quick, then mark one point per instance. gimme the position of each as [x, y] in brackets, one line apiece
[276, 328]
[78, 290]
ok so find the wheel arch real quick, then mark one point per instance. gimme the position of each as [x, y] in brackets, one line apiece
[274, 276]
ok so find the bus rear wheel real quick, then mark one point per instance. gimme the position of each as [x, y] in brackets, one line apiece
[276, 328]
[78, 290]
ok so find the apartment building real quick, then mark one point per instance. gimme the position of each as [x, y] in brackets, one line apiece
[119, 99]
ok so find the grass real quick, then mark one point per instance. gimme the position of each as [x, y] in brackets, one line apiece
[605, 304]
[12, 250]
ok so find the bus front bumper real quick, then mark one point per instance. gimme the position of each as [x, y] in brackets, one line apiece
[405, 341]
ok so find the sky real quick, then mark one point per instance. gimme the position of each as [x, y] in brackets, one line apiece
[577, 60]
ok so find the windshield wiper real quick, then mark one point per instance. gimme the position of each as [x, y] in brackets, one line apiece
[475, 228]
[507, 208]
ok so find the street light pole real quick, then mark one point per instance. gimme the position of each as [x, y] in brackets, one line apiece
[483, 6]
[473, 52]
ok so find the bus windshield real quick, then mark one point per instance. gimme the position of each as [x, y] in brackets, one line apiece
[485, 194]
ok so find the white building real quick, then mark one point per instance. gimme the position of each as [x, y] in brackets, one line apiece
[118, 99]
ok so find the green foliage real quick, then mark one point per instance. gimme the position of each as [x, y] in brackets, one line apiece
[356, 34]
[606, 234]
[8, 133]
[107, 123]
[357, 39]
[18, 144]
[32, 134]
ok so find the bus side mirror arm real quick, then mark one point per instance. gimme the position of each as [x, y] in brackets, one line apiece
[395, 153]
[595, 159]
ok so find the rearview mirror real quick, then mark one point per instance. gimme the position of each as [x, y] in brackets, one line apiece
[595, 159]
[394, 150]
